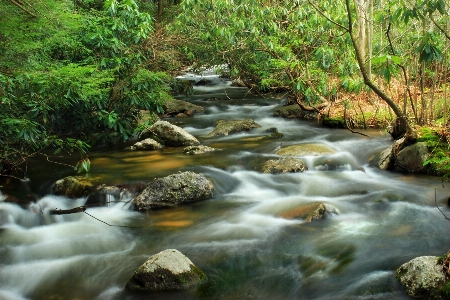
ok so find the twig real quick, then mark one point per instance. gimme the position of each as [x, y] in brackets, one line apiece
[435, 203]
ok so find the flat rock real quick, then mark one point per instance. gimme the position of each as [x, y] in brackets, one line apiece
[166, 271]
[226, 127]
[175, 107]
[294, 112]
[305, 150]
[284, 165]
[200, 149]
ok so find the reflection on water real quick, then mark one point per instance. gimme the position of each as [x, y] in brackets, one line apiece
[250, 238]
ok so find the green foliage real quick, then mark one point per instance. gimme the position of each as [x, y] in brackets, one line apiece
[86, 79]
[438, 143]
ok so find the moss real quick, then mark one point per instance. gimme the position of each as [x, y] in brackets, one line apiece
[335, 122]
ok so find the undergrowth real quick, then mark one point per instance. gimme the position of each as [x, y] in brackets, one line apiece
[438, 143]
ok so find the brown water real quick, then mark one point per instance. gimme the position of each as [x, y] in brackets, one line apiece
[250, 238]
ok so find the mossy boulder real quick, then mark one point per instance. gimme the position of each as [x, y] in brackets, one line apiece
[200, 149]
[144, 145]
[305, 150]
[168, 270]
[169, 134]
[226, 127]
[423, 278]
[412, 158]
[73, 187]
[172, 190]
[181, 108]
[284, 165]
[294, 112]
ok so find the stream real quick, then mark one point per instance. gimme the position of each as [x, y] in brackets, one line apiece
[245, 238]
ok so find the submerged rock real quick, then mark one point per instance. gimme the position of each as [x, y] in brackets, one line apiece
[147, 144]
[294, 112]
[422, 277]
[181, 108]
[73, 187]
[225, 127]
[173, 190]
[166, 271]
[309, 212]
[169, 134]
[284, 165]
[306, 150]
[200, 149]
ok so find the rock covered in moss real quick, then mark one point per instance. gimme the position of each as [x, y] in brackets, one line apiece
[305, 150]
[422, 277]
[169, 134]
[226, 127]
[180, 107]
[73, 187]
[180, 188]
[284, 165]
[166, 271]
[294, 112]
[146, 144]
[200, 149]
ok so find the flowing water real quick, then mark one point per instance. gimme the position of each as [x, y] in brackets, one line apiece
[247, 238]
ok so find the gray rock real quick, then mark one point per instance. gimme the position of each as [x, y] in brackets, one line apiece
[225, 127]
[422, 277]
[305, 150]
[169, 134]
[284, 165]
[181, 108]
[386, 159]
[173, 190]
[166, 271]
[73, 187]
[294, 112]
[200, 149]
[146, 144]
[412, 158]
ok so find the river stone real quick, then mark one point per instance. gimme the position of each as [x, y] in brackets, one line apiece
[305, 150]
[73, 187]
[200, 149]
[284, 165]
[294, 112]
[309, 212]
[180, 188]
[170, 135]
[422, 277]
[180, 107]
[412, 158]
[146, 144]
[166, 271]
[225, 127]
[386, 159]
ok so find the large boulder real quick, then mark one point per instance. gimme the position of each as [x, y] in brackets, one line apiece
[294, 112]
[422, 277]
[73, 187]
[225, 127]
[169, 134]
[146, 144]
[166, 271]
[173, 190]
[305, 150]
[284, 165]
[412, 158]
[181, 108]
